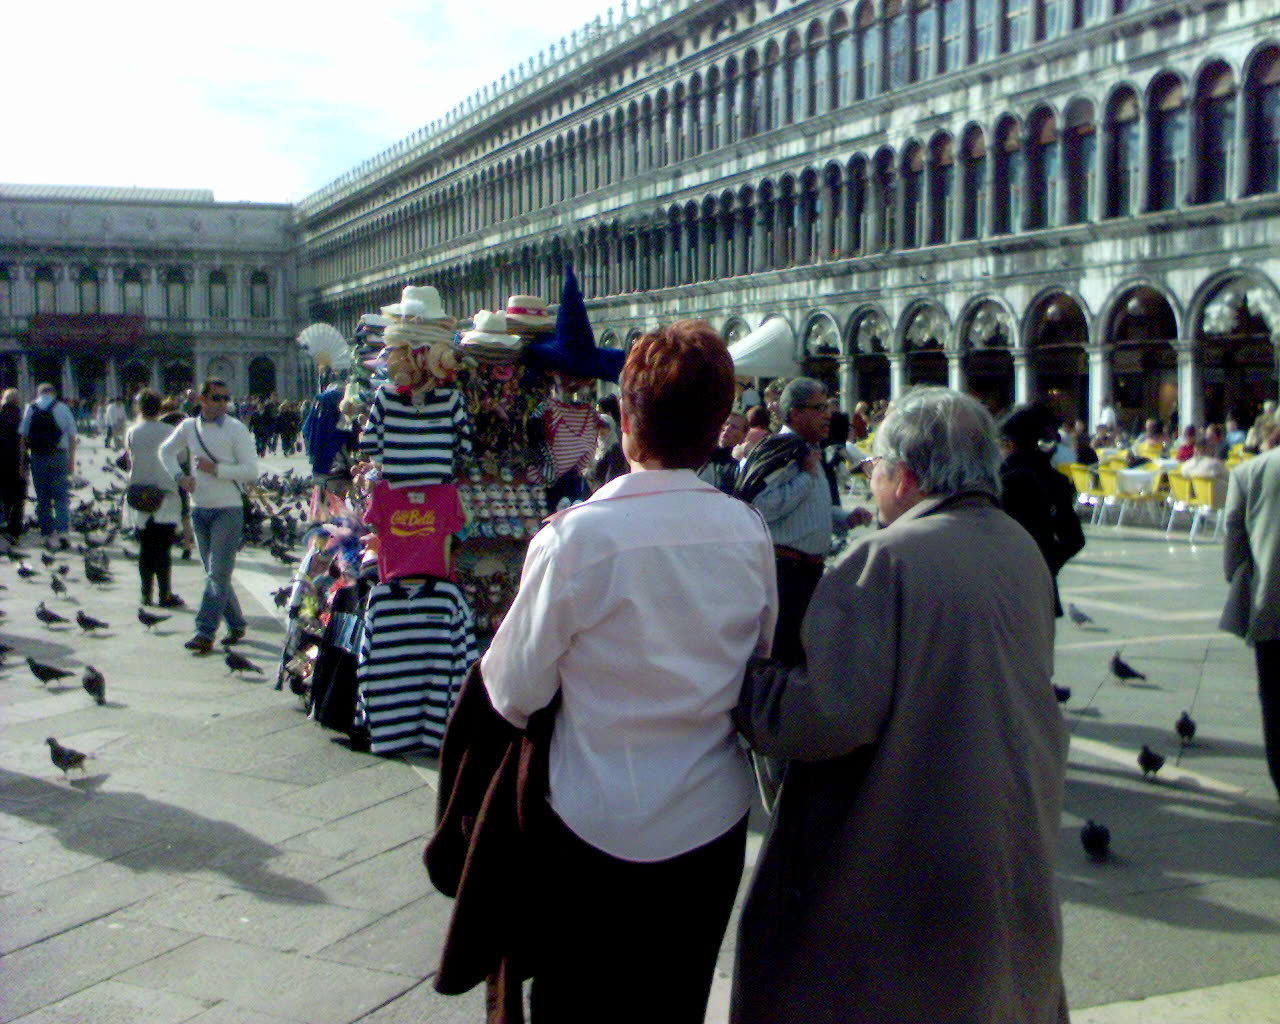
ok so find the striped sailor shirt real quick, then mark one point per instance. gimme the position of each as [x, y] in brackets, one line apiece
[416, 444]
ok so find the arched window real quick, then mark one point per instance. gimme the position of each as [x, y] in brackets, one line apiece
[819, 74]
[774, 88]
[695, 116]
[715, 111]
[732, 102]
[1008, 183]
[752, 96]
[1042, 170]
[131, 300]
[885, 199]
[1017, 19]
[922, 31]
[1088, 11]
[912, 196]
[87, 290]
[1122, 153]
[1053, 19]
[842, 64]
[663, 154]
[1167, 110]
[1079, 141]
[984, 29]
[1215, 112]
[259, 294]
[942, 174]
[973, 222]
[46, 293]
[1262, 123]
[866, 50]
[219, 305]
[797, 103]
[175, 294]
[949, 15]
[677, 124]
[897, 51]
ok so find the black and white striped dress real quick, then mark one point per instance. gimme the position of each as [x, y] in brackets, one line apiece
[419, 641]
[416, 444]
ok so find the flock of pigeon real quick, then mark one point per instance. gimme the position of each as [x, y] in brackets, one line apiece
[276, 520]
[1095, 837]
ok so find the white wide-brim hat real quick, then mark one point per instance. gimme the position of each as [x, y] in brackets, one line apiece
[525, 312]
[421, 302]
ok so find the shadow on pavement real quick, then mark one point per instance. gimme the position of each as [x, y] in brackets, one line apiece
[170, 839]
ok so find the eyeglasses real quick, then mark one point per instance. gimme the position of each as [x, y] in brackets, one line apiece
[219, 398]
[868, 465]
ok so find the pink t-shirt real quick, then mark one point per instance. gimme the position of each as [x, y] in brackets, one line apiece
[414, 525]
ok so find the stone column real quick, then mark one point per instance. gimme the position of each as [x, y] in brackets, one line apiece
[955, 371]
[152, 292]
[239, 307]
[112, 379]
[155, 375]
[780, 253]
[1100, 382]
[848, 383]
[26, 386]
[65, 299]
[897, 375]
[668, 257]
[759, 238]
[109, 290]
[68, 384]
[1023, 384]
[827, 242]
[1190, 394]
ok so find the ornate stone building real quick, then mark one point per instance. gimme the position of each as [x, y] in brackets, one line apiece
[1076, 199]
[103, 290]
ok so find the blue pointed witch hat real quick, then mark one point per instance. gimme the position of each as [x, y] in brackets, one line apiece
[572, 349]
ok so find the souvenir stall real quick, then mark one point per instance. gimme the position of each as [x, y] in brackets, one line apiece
[472, 437]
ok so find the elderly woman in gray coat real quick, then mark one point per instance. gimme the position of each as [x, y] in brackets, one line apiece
[908, 872]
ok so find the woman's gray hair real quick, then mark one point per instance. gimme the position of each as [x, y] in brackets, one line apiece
[800, 391]
[947, 440]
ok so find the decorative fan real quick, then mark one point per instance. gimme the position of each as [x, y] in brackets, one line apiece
[327, 347]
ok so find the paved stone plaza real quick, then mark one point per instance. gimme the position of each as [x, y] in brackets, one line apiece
[226, 861]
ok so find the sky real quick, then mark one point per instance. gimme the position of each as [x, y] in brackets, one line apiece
[262, 100]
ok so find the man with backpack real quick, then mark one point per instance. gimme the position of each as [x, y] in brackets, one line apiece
[49, 431]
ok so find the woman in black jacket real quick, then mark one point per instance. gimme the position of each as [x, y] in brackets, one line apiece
[1037, 495]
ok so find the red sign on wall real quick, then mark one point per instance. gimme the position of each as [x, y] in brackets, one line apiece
[86, 330]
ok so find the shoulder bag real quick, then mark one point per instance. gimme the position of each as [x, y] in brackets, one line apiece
[245, 505]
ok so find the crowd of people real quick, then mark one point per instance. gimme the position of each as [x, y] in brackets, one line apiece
[896, 704]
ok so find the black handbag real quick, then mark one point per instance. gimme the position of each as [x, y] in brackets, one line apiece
[144, 497]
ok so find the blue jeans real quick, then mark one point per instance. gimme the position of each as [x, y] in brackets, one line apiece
[218, 533]
[53, 491]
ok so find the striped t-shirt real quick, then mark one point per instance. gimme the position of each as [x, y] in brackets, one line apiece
[416, 444]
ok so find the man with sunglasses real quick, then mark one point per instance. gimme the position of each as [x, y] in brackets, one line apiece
[223, 461]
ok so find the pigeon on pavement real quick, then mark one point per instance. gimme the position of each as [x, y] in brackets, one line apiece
[66, 758]
[1078, 617]
[25, 571]
[1063, 693]
[1149, 761]
[88, 623]
[47, 617]
[95, 684]
[47, 559]
[239, 663]
[57, 586]
[1096, 840]
[1185, 726]
[46, 673]
[95, 575]
[1121, 669]
[149, 620]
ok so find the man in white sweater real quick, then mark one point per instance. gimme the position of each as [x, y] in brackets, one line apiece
[223, 460]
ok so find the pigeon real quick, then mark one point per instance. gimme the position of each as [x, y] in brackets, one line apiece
[1078, 617]
[95, 575]
[281, 596]
[239, 663]
[1122, 669]
[47, 617]
[1149, 761]
[5, 649]
[25, 571]
[1096, 840]
[57, 586]
[66, 758]
[95, 684]
[1063, 693]
[63, 570]
[88, 623]
[1185, 726]
[149, 620]
[47, 559]
[46, 673]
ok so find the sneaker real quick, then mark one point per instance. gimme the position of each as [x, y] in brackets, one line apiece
[199, 644]
[172, 601]
[234, 636]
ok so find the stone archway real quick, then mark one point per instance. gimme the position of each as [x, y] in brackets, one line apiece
[8, 371]
[262, 377]
[822, 352]
[1237, 330]
[869, 336]
[1057, 333]
[1141, 333]
[986, 334]
[46, 368]
[176, 378]
[134, 376]
[91, 377]
[923, 342]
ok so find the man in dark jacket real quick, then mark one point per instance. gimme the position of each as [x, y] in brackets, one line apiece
[1036, 494]
[721, 470]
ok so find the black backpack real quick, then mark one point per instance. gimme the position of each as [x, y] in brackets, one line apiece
[43, 432]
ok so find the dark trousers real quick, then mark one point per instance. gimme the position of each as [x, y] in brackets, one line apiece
[796, 583]
[13, 494]
[632, 943]
[154, 557]
[1267, 653]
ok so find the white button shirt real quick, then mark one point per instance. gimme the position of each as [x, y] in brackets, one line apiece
[641, 606]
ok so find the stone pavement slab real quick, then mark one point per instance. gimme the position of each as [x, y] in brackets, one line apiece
[113, 1002]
